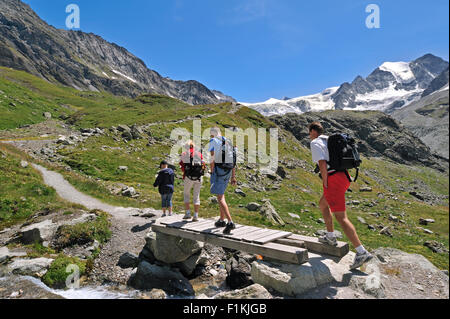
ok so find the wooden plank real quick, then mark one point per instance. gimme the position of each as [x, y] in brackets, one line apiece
[258, 234]
[268, 239]
[275, 251]
[313, 245]
[198, 225]
[290, 242]
[170, 219]
[219, 231]
[238, 234]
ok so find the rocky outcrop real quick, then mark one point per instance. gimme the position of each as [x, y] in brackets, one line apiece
[84, 61]
[377, 135]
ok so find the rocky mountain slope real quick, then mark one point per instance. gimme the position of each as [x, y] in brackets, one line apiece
[378, 135]
[84, 61]
[391, 86]
[428, 119]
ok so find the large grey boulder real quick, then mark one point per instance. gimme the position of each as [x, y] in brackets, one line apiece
[171, 249]
[255, 291]
[6, 254]
[148, 277]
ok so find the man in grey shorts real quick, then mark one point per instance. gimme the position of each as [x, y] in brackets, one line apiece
[220, 178]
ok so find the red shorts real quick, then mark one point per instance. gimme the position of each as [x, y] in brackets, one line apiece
[338, 184]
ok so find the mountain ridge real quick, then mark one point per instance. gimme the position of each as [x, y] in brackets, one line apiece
[84, 61]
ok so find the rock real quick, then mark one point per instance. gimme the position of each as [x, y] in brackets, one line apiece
[129, 192]
[240, 192]
[147, 255]
[128, 260]
[187, 267]
[24, 288]
[40, 232]
[362, 220]
[136, 132]
[149, 277]
[6, 254]
[47, 115]
[290, 280]
[23, 164]
[171, 249]
[127, 135]
[123, 128]
[123, 168]
[393, 218]
[253, 207]
[386, 231]
[213, 200]
[281, 172]
[356, 202]
[156, 294]
[366, 189]
[425, 222]
[294, 216]
[323, 232]
[239, 273]
[30, 267]
[436, 247]
[320, 221]
[417, 195]
[269, 213]
[370, 281]
[427, 231]
[255, 291]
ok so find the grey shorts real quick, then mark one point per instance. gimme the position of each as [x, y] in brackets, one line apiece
[220, 180]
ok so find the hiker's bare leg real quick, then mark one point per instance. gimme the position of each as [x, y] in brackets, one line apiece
[196, 208]
[224, 211]
[327, 215]
[187, 206]
[348, 228]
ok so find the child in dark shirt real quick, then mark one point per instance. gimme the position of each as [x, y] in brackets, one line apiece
[165, 183]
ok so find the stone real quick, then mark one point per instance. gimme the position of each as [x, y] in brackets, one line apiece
[187, 267]
[6, 254]
[366, 189]
[25, 288]
[362, 220]
[47, 115]
[23, 164]
[128, 260]
[156, 294]
[370, 281]
[136, 132]
[123, 128]
[254, 291]
[281, 172]
[30, 267]
[239, 273]
[213, 200]
[150, 276]
[172, 249]
[323, 232]
[435, 247]
[393, 218]
[386, 231]
[240, 192]
[290, 280]
[268, 212]
[425, 222]
[320, 221]
[40, 232]
[253, 207]
[129, 192]
[123, 168]
[294, 215]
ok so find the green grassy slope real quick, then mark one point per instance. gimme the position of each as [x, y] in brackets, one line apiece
[95, 164]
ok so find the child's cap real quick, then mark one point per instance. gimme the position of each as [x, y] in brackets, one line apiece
[163, 163]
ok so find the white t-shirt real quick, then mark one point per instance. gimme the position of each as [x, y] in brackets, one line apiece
[319, 149]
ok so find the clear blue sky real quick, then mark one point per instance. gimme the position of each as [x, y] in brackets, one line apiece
[258, 49]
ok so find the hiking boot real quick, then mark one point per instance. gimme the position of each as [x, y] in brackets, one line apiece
[361, 259]
[229, 228]
[187, 216]
[195, 219]
[164, 215]
[220, 223]
[328, 241]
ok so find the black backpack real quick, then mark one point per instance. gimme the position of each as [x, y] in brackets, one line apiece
[224, 165]
[344, 154]
[194, 169]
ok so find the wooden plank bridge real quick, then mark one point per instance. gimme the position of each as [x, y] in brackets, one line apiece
[269, 243]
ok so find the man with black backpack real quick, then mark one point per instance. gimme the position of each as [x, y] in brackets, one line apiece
[223, 169]
[334, 156]
[193, 168]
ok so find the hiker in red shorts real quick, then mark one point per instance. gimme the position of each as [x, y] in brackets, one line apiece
[335, 185]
